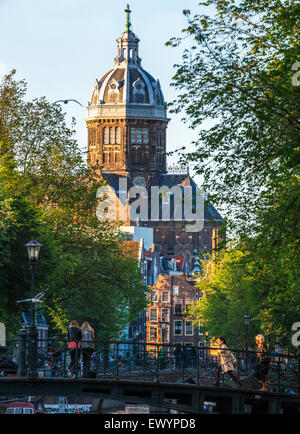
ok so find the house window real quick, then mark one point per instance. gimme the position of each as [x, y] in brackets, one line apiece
[178, 309]
[152, 314]
[175, 290]
[165, 296]
[165, 314]
[153, 296]
[189, 329]
[177, 327]
[164, 334]
[153, 333]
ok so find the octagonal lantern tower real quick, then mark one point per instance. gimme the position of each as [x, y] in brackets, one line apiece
[127, 117]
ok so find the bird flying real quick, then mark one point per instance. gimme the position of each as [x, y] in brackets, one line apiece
[36, 299]
[65, 101]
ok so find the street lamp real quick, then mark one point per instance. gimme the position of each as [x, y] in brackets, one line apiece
[247, 319]
[33, 249]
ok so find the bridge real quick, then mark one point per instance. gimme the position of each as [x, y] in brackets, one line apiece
[187, 398]
[133, 374]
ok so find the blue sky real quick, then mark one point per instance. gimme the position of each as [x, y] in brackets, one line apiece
[60, 46]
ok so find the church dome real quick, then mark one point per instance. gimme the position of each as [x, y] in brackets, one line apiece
[128, 83]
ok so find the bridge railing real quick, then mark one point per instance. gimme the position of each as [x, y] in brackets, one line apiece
[150, 362]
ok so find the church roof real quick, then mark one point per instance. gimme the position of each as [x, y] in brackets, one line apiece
[167, 180]
[127, 83]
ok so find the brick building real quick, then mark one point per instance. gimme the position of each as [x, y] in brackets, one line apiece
[127, 140]
[167, 323]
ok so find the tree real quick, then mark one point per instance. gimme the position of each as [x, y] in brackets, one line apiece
[229, 292]
[239, 75]
[48, 193]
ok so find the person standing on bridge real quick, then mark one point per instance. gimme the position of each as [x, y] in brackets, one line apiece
[88, 346]
[74, 338]
[226, 362]
[263, 362]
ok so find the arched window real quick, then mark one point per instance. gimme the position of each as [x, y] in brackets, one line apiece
[105, 136]
[118, 135]
[111, 135]
[139, 136]
[145, 136]
[132, 138]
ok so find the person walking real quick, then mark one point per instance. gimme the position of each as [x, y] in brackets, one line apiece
[74, 344]
[88, 346]
[226, 362]
[263, 362]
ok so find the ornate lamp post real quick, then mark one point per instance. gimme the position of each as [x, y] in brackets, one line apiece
[33, 249]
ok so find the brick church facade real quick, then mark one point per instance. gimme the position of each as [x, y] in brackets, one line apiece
[127, 141]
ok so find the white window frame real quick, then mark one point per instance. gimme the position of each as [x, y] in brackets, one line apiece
[175, 289]
[167, 334]
[150, 310]
[165, 292]
[185, 327]
[176, 321]
[154, 294]
[168, 313]
[155, 327]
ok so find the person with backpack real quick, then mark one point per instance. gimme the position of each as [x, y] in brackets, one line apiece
[74, 344]
[226, 362]
[88, 346]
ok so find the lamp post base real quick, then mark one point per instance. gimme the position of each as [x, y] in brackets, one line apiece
[32, 351]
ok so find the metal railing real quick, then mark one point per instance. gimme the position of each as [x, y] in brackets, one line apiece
[149, 362]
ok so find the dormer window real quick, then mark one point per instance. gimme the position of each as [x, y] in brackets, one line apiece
[113, 87]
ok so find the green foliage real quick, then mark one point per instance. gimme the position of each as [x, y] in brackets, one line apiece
[48, 194]
[229, 292]
[239, 74]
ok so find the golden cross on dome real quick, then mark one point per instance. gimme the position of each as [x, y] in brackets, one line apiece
[128, 22]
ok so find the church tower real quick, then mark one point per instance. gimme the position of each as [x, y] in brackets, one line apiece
[127, 117]
[127, 123]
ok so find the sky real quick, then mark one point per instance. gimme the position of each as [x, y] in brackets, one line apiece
[61, 46]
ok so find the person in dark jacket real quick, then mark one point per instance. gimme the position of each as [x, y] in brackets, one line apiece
[74, 339]
[87, 346]
[263, 362]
